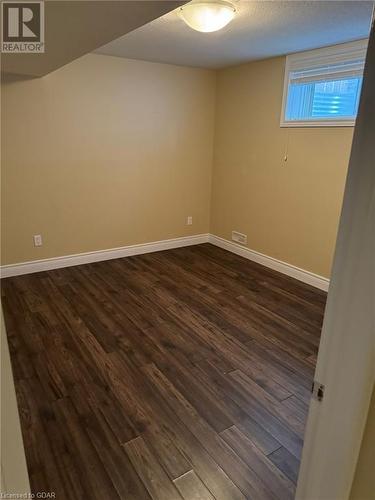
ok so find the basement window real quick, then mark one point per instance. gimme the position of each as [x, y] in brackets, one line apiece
[322, 87]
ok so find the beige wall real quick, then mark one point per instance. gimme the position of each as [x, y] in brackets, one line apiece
[364, 480]
[108, 152]
[105, 152]
[289, 210]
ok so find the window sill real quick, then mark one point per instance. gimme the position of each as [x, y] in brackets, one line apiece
[322, 123]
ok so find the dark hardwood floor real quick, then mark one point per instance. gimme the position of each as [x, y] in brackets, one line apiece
[178, 374]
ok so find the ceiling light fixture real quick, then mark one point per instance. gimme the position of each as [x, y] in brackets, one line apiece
[207, 16]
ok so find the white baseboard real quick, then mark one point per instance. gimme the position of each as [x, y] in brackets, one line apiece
[275, 264]
[35, 266]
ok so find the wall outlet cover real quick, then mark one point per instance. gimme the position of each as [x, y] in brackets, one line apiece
[38, 242]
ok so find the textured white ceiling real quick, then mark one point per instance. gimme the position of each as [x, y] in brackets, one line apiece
[260, 29]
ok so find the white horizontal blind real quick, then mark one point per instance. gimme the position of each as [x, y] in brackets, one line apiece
[323, 84]
[339, 71]
[330, 63]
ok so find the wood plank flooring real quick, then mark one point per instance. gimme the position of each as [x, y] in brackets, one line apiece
[178, 374]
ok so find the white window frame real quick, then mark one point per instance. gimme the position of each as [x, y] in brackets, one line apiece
[351, 50]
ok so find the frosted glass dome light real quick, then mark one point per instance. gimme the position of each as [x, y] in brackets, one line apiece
[207, 16]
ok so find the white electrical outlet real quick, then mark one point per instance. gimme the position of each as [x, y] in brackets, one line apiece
[239, 237]
[189, 220]
[37, 240]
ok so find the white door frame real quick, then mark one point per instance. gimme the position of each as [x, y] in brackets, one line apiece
[346, 359]
[14, 477]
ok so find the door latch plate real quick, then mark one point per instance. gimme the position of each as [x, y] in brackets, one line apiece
[317, 390]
